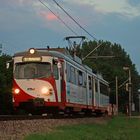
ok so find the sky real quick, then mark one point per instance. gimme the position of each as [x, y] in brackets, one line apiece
[28, 24]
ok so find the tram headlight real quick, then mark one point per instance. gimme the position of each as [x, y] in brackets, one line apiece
[46, 91]
[16, 91]
[32, 51]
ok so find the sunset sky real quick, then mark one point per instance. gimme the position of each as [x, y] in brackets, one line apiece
[28, 23]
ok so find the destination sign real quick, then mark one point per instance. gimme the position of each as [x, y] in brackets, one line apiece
[31, 59]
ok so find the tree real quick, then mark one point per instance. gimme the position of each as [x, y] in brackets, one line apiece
[112, 67]
[5, 85]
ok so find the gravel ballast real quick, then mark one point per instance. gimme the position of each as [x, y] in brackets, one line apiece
[18, 129]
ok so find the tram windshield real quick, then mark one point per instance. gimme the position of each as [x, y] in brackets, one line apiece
[32, 70]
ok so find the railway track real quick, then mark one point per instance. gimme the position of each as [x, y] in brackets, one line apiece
[21, 117]
[44, 116]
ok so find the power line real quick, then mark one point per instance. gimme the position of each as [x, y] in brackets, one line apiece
[81, 28]
[69, 27]
[58, 17]
[73, 19]
[92, 51]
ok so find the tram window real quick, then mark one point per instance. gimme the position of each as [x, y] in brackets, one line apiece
[103, 89]
[89, 82]
[32, 70]
[77, 80]
[55, 71]
[84, 80]
[73, 75]
[80, 78]
[96, 86]
[44, 70]
[19, 71]
[68, 72]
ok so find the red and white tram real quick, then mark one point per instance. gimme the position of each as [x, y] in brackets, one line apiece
[50, 80]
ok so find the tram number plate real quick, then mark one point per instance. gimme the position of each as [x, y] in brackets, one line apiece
[39, 102]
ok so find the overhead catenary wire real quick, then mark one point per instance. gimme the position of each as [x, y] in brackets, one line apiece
[81, 28]
[92, 51]
[70, 28]
[58, 17]
[73, 19]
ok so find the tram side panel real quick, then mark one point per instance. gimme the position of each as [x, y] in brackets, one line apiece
[75, 87]
[97, 95]
[104, 95]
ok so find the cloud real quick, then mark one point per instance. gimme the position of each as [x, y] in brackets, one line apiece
[51, 17]
[17, 14]
[122, 7]
[86, 12]
[126, 8]
[48, 16]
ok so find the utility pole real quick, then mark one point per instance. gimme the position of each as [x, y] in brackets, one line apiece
[0, 49]
[117, 104]
[129, 88]
[130, 91]
[139, 102]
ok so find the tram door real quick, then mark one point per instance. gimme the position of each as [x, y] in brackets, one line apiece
[89, 97]
[59, 76]
[62, 83]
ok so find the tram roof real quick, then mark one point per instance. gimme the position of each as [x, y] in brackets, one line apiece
[57, 52]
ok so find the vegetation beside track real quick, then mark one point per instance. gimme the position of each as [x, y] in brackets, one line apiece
[118, 128]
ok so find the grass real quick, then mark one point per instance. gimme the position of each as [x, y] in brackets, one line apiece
[120, 128]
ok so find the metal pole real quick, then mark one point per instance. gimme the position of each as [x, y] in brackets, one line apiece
[117, 107]
[130, 92]
[0, 49]
[139, 102]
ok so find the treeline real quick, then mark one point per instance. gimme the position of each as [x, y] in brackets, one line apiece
[109, 67]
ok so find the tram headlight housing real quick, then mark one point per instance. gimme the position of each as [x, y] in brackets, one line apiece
[16, 91]
[46, 91]
[32, 51]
